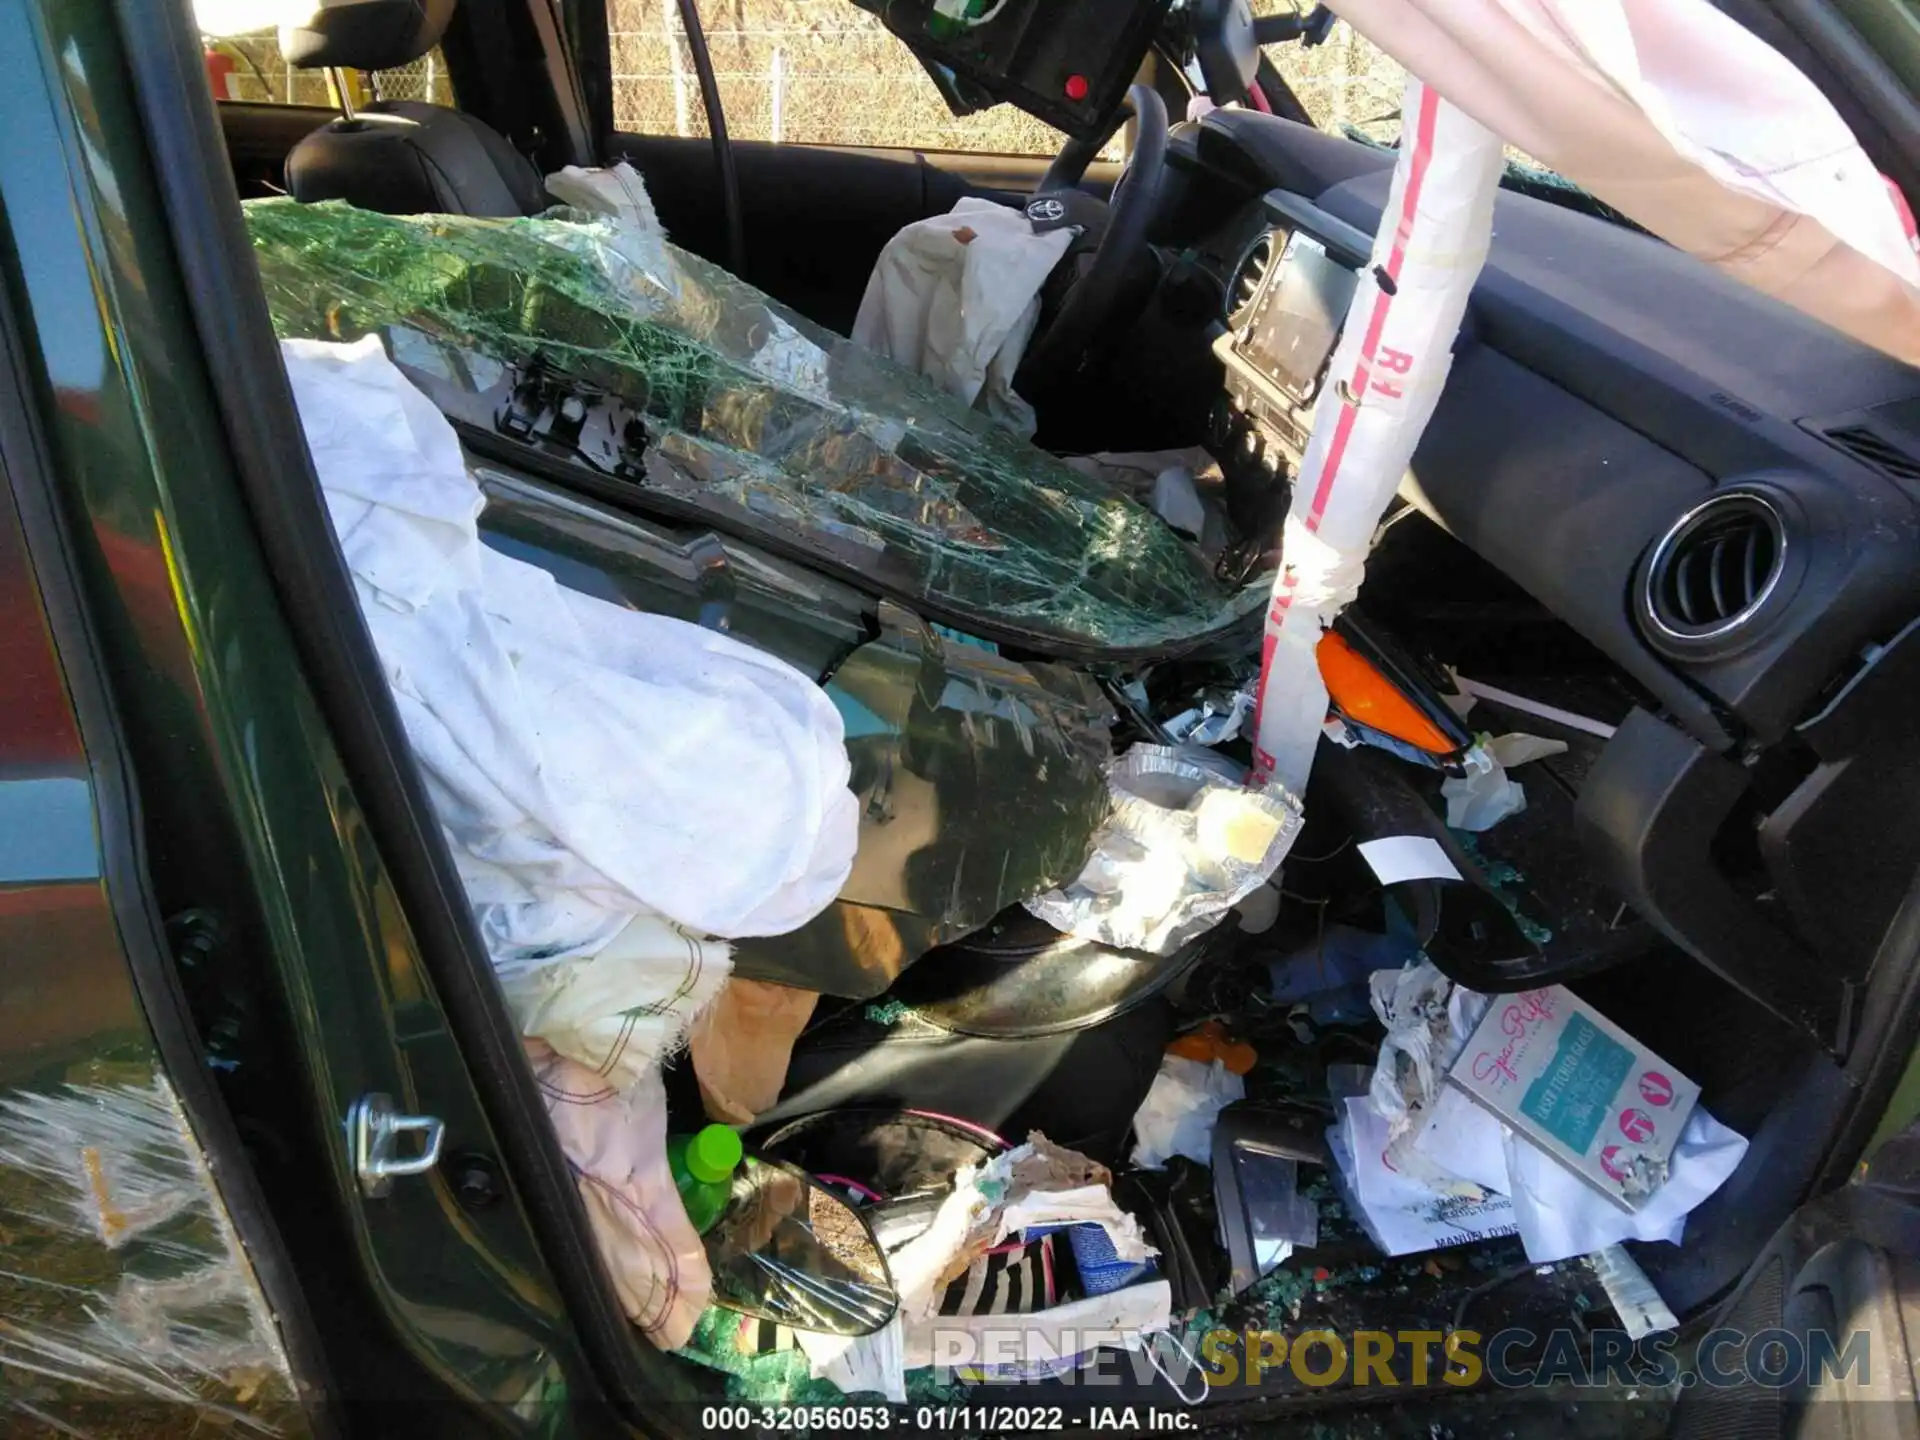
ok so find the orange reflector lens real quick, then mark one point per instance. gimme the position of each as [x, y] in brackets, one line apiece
[1361, 693]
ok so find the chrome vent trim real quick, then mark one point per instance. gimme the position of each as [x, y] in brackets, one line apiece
[1248, 272]
[1715, 567]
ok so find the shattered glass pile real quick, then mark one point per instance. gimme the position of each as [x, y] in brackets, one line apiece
[656, 369]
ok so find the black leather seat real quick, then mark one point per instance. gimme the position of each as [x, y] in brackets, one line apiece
[399, 157]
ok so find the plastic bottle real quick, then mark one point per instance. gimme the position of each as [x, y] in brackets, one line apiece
[703, 1164]
[953, 18]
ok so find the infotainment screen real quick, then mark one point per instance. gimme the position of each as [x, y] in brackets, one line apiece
[1297, 317]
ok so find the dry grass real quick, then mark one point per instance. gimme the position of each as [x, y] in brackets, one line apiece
[824, 72]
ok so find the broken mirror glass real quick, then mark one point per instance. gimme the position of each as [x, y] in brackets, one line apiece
[656, 379]
[789, 1250]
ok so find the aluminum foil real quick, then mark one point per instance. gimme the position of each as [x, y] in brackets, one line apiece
[1184, 844]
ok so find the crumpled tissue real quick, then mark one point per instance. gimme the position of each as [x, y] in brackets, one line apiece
[1484, 796]
[1560, 1215]
[1181, 1108]
[1428, 1021]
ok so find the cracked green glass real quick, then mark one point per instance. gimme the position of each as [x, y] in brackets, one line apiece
[655, 369]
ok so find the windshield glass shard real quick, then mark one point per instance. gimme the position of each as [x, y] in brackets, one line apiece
[654, 369]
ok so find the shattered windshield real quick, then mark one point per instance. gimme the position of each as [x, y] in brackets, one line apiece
[644, 368]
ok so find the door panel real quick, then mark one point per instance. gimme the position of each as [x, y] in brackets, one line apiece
[817, 216]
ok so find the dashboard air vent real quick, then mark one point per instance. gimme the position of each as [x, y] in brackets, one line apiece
[1247, 276]
[1875, 449]
[1715, 568]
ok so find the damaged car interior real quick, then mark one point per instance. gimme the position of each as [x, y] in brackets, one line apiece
[954, 974]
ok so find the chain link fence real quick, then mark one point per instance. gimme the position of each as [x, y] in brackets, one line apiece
[822, 72]
[816, 72]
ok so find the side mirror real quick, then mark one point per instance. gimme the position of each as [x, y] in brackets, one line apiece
[1225, 44]
[789, 1250]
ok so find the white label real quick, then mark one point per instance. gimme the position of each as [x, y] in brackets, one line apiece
[1408, 857]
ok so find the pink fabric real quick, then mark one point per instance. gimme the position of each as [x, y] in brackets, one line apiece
[616, 1143]
[1682, 119]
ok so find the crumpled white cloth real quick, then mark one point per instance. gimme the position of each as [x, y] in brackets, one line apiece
[1678, 116]
[621, 1011]
[589, 763]
[1181, 1108]
[1561, 1215]
[1486, 794]
[962, 311]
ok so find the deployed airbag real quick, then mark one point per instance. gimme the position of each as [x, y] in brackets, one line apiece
[1682, 119]
[956, 297]
[589, 763]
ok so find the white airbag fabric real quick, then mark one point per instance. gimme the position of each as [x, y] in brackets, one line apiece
[961, 311]
[589, 763]
[1682, 119]
[1382, 384]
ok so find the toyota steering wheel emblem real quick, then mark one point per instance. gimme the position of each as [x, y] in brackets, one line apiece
[1046, 211]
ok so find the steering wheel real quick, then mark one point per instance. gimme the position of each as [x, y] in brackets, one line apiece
[1118, 232]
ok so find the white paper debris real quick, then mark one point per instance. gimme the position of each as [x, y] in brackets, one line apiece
[1176, 501]
[1402, 1215]
[1428, 1019]
[1178, 1115]
[867, 1364]
[1561, 1216]
[1433, 1141]
[1088, 1205]
[1408, 857]
[1634, 1300]
[1216, 720]
[1463, 1139]
[1486, 794]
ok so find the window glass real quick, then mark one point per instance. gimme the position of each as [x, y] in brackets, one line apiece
[810, 72]
[1347, 85]
[241, 42]
[1350, 86]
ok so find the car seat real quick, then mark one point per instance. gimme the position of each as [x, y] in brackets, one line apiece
[1013, 1028]
[399, 157]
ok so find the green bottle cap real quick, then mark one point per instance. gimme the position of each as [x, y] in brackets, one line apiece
[712, 1153]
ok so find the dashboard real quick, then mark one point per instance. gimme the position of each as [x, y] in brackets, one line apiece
[1720, 494]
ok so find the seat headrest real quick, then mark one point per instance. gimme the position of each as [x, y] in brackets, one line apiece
[364, 34]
